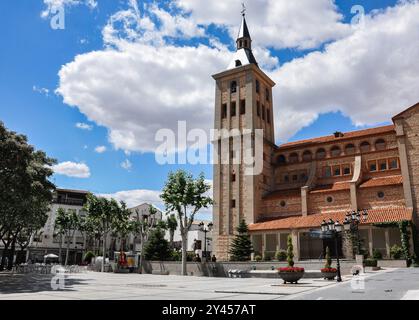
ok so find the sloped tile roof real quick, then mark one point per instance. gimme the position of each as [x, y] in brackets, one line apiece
[379, 215]
[337, 186]
[382, 181]
[332, 138]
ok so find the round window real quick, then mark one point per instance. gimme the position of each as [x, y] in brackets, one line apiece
[329, 199]
[380, 194]
[282, 203]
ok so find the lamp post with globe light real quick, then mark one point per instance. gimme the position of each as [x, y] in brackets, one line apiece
[333, 230]
[205, 228]
[351, 223]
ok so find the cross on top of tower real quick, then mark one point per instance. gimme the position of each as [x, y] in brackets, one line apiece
[243, 9]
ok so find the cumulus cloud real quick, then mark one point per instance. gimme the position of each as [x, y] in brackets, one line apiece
[136, 197]
[274, 23]
[84, 126]
[100, 149]
[72, 169]
[140, 83]
[54, 4]
[369, 76]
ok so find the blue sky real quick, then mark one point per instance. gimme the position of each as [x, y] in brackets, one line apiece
[32, 55]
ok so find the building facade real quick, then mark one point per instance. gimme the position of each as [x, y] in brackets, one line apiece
[47, 241]
[305, 182]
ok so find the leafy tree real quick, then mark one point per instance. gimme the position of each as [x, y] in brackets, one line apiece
[157, 247]
[104, 214]
[25, 191]
[241, 248]
[186, 196]
[67, 223]
[171, 226]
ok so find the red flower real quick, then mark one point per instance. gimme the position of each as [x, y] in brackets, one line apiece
[332, 270]
[291, 269]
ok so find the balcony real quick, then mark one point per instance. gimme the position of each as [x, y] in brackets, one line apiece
[69, 202]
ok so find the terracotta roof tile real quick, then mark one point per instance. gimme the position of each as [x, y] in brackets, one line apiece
[385, 214]
[331, 138]
[382, 181]
[337, 186]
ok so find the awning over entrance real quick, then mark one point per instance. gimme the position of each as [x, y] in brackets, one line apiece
[390, 214]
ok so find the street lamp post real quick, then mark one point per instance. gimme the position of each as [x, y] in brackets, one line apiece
[351, 223]
[147, 222]
[205, 228]
[334, 229]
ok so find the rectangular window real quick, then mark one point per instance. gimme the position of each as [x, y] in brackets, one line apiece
[263, 112]
[382, 164]
[346, 169]
[336, 171]
[268, 115]
[393, 163]
[267, 94]
[286, 178]
[327, 172]
[233, 177]
[242, 106]
[258, 108]
[233, 203]
[372, 165]
[233, 108]
[224, 111]
[295, 177]
[257, 86]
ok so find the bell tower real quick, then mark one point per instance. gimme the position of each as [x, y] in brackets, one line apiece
[243, 103]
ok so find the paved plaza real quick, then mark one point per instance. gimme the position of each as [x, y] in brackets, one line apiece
[104, 286]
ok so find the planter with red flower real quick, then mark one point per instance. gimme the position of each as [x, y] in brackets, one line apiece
[290, 274]
[328, 272]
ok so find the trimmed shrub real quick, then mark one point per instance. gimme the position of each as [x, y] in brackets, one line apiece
[281, 255]
[370, 262]
[258, 258]
[89, 255]
[377, 255]
[396, 252]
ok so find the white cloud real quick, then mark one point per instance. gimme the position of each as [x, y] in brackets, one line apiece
[72, 169]
[43, 91]
[176, 85]
[139, 84]
[369, 76]
[100, 149]
[274, 23]
[84, 126]
[53, 4]
[136, 197]
[126, 164]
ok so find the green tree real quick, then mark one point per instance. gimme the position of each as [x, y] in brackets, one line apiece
[67, 223]
[171, 226]
[290, 252]
[25, 191]
[104, 214]
[186, 196]
[157, 247]
[241, 247]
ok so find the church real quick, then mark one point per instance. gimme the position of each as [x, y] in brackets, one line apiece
[366, 179]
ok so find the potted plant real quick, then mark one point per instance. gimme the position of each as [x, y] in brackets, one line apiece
[290, 274]
[328, 272]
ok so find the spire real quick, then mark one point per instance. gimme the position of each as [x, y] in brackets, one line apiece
[244, 54]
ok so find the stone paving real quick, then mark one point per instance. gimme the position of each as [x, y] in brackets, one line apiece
[95, 285]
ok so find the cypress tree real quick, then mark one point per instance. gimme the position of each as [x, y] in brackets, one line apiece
[157, 247]
[241, 247]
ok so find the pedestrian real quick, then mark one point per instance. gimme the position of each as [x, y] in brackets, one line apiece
[213, 258]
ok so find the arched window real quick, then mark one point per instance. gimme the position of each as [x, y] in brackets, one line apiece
[335, 151]
[233, 86]
[320, 154]
[293, 158]
[281, 159]
[365, 146]
[307, 155]
[380, 144]
[350, 148]
[238, 63]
